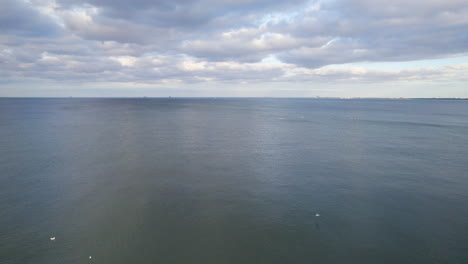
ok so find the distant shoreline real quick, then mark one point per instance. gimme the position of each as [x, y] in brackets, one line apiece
[226, 97]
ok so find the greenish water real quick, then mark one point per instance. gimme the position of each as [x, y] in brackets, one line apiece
[233, 181]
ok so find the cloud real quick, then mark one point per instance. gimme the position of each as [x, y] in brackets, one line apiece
[20, 18]
[379, 31]
[240, 41]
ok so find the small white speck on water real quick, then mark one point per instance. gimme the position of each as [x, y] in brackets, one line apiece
[317, 214]
[52, 238]
[90, 257]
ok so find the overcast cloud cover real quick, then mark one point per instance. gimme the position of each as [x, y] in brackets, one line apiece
[395, 48]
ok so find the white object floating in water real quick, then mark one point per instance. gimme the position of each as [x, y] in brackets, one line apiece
[52, 238]
[317, 214]
[90, 257]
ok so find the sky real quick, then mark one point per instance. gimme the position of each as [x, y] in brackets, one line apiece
[244, 48]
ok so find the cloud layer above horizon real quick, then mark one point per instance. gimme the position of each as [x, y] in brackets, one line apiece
[228, 42]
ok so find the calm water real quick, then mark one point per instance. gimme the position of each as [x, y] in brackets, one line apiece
[233, 181]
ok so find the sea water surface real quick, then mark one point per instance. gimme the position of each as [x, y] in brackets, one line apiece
[233, 181]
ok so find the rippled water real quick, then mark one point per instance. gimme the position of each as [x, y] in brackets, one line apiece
[233, 181]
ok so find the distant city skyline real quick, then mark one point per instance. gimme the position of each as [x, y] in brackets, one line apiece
[205, 48]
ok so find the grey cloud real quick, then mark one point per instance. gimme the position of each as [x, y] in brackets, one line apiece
[18, 18]
[381, 31]
[181, 13]
[162, 24]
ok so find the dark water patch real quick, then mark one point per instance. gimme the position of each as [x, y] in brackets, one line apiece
[410, 124]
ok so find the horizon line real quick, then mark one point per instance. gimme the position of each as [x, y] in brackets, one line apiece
[232, 97]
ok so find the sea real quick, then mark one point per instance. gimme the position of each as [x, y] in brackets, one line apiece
[233, 180]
